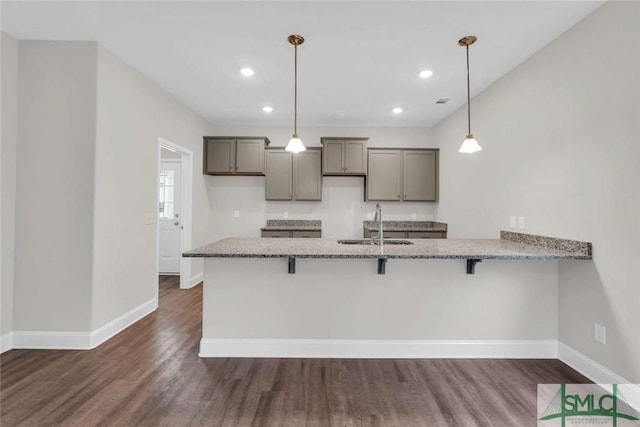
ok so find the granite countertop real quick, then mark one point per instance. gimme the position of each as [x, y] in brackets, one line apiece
[509, 246]
[406, 226]
[292, 225]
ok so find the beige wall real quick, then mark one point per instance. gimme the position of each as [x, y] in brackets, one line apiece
[560, 147]
[132, 113]
[9, 96]
[346, 299]
[89, 129]
[342, 208]
[54, 192]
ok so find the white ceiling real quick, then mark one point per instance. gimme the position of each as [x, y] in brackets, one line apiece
[360, 59]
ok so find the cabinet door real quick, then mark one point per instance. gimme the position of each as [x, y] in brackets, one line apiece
[276, 234]
[220, 156]
[384, 175]
[426, 235]
[355, 157]
[332, 157]
[307, 175]
[311, 234]
[278, 179]
[250, 156]
[392, 234]
[420, 180]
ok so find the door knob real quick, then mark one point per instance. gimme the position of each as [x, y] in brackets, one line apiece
[176, 223]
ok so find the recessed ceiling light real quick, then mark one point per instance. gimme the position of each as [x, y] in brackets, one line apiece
[425, 74]
[246, 72]
[397, 110]
[267, 109]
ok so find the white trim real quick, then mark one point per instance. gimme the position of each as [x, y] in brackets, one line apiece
[54, 340]
[6, 342]
[196, 279]
[116, 326]
[378, 349]
[186, 207]
[598, 373]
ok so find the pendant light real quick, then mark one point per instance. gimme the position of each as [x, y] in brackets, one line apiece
[295, 144]
[470, 145]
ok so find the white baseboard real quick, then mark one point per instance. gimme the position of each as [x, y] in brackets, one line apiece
[598, 373]
[195, 280]
[55, 340]
[6, 342]
[114, 327]
[378, 349]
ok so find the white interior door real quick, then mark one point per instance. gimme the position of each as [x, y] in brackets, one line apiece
[170, 225]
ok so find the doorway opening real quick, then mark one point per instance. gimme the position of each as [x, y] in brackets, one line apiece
[174, 197]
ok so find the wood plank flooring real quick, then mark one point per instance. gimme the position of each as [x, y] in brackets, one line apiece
[151, 375]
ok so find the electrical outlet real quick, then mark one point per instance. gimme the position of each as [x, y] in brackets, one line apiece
[600, 333]
[520, 222]
[512, 222]
[285, 215]
[236, 214]
[414, 216]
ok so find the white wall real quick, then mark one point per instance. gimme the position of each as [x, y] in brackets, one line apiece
[54, 192]
[9, 96]
[560, 147]
[345, 299]
[132, 113]
[342, 208]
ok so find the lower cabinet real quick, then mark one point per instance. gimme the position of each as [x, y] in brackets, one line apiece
[408, 234]
[295, 233]
[293, 176]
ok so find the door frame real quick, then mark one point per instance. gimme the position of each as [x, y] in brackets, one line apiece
[186, 198]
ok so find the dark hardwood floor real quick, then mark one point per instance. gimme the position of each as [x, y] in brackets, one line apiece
[150, 375]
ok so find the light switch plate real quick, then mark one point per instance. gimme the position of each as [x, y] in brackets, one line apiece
[369, 215]
[600, 333]
[285, 215]
[520, 222]
[513, 222]
[236, 214]
[414, 216]
[149, 219]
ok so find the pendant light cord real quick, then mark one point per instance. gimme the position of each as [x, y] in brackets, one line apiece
[295, 92]
[468, 95]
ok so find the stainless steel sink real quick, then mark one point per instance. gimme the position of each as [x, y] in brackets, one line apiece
[370, 242]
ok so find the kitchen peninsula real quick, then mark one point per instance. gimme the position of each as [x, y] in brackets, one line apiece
[337, 304]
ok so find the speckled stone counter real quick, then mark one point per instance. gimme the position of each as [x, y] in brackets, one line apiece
[406, 226]
[292, 225]
[511, 246]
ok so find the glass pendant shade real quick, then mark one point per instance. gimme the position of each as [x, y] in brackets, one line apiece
[295, 145]
[469, 145]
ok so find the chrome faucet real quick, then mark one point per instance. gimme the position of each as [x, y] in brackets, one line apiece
[378, 219]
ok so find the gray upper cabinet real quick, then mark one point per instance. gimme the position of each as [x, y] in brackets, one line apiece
[384, 180]
[234, 155]
[279, 178]
[420, 175]
[307, 175]
[293, 176]
[402, 175]
[344, 156]
[220, 156]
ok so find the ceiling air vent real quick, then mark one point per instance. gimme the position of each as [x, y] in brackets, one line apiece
[442, 101]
